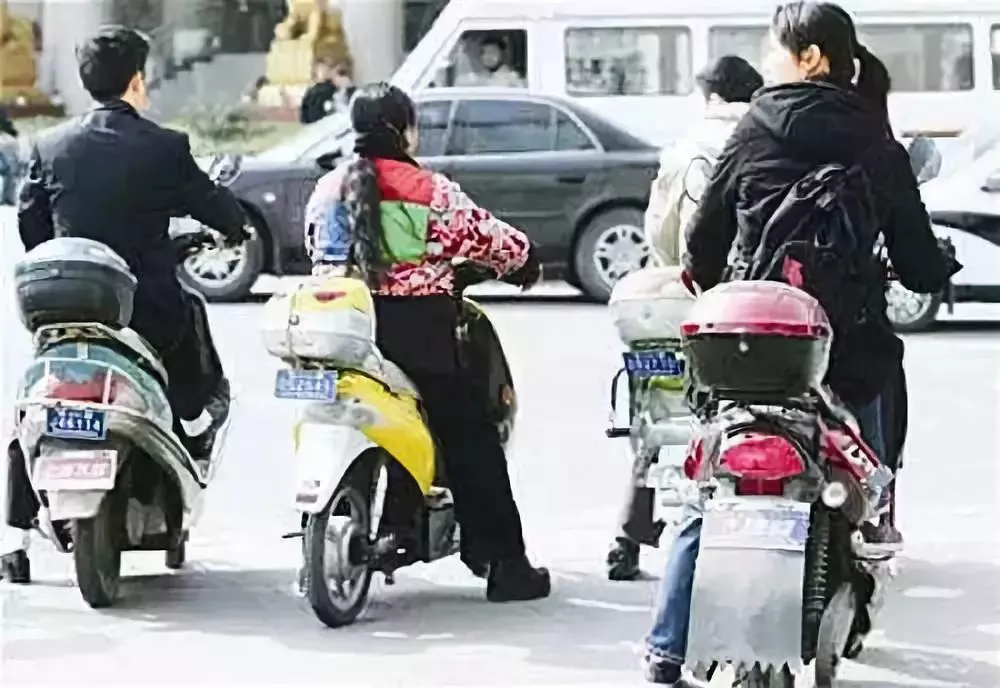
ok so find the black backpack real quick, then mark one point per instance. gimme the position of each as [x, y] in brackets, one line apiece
[821, 239]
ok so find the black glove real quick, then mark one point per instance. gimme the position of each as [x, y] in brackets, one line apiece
[528, 274]
[245, 234]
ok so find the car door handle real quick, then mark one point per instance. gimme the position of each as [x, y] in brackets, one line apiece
[571, 180]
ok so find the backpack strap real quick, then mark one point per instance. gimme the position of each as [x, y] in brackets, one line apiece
[704, 159]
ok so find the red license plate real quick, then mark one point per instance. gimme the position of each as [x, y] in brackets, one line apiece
[87, 470]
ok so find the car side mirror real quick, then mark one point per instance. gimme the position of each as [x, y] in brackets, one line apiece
[925, 159]
[328, 161]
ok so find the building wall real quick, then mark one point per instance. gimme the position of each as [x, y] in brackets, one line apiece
[374, 31]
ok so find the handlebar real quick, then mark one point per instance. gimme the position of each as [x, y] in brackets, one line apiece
[469, 274]
[192, 243]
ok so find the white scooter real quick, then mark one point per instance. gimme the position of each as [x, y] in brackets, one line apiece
[97, 464]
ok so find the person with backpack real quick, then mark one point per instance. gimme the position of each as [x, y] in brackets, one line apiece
[806, 184]
[685, 166]
[727, 84]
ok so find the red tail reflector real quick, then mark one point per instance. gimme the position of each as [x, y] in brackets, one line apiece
[753, 456]
[91, 390]
[325, 296]
[751, 487]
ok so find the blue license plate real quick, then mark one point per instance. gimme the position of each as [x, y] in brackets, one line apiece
[653, 363]
[306, 385]
[75, 424]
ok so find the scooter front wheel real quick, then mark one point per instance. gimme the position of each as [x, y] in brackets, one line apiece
[337, 575]
[97, 553]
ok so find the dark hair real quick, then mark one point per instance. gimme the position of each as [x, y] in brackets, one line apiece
[380, 114]
[110, 59]
[829, 27]
[731, 78]
[342, 70]
[495, 41]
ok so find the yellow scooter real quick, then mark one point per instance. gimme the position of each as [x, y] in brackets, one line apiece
[369, 483]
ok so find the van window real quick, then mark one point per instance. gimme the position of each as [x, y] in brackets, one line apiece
[432, 123]
[995, 50]
[748, 42]
[638, 61]
[486, 58]
[923, 57]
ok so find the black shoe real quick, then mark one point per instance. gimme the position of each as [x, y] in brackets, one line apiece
[623, 561]
[479, 568]
[16, 567]
[516, 580]
[666, 674]
[884, 535]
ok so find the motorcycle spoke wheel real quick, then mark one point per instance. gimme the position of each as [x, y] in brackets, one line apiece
[834, 631]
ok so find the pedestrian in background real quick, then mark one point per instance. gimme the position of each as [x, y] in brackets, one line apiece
[331, 91]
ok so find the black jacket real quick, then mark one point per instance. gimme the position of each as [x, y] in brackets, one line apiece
[6, 126]
[112, 176]
[790, 130]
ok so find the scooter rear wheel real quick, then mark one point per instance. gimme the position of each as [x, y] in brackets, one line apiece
[97, 553]
[337, 577]
[834, 631]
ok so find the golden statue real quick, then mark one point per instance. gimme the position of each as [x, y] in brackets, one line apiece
[309, 33]
[18, 68]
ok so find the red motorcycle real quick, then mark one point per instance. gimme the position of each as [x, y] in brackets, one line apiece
[784, 576]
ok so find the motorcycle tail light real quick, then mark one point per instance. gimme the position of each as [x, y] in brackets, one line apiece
[102, 386]
[753, 456]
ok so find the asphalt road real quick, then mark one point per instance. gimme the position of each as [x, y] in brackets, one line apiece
[231, 617]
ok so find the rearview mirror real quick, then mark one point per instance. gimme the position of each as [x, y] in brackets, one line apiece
[328, 161]
[925, 159]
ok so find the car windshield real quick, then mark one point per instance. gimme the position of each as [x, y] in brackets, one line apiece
[307, 139]
[973, 145]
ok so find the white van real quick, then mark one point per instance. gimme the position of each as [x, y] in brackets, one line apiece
[635, 60]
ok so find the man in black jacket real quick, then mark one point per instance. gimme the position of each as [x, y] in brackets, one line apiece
[115, 177]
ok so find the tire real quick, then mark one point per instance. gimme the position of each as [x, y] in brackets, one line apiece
[916, 321]
[336, 608]
[623, 221]
[176, 556]
[97, 553]
[237, 287]
[834, 632]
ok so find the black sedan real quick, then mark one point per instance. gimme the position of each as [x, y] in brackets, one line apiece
[575, 183]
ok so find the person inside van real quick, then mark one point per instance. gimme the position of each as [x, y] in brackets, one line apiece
[344, 217]
[727, 84]
[331, 92]
[809, 116]
[494, 57]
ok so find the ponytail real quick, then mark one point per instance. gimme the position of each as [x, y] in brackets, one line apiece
[874, 81]
[368, 251]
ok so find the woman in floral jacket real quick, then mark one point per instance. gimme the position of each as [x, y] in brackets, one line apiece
[401, 227]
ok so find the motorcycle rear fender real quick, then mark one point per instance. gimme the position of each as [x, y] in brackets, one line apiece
[324, 452]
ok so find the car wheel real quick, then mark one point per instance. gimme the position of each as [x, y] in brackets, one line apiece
[226, 274]
[909, 311]
[612, 245]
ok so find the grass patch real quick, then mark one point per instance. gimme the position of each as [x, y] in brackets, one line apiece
[229, 130]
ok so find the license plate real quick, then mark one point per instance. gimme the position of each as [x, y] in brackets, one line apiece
[306, 385]
[743, 525]
[643, 363]
[76, 470]
[75, 424]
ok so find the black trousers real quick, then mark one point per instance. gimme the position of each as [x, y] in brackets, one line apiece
[191, 361]
[419, 335]
[475, 466]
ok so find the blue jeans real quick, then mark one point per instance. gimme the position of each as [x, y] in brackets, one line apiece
[667, 642]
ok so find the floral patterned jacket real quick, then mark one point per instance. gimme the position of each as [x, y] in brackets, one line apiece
[432, 219]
